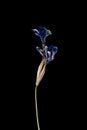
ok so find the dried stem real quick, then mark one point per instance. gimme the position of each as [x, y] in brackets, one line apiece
[40, 74]
[36, 107]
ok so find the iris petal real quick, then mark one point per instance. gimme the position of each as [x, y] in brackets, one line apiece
[48, 52]
[36, 32]
[53, 48]
[42, 32]
[40, 50]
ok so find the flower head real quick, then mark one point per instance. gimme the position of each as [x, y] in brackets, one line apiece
[42, 33]
[48, 53]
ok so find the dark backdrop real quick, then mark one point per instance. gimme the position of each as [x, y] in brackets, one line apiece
[57, 100]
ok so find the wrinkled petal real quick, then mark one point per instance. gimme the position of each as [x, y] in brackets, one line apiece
[53, 50]
[48, 52]
[48, 59]
[43, 52]
[36, 32]
[40, 50]
[42, 32]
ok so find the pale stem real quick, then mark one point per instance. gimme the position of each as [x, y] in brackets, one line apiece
[36, 107]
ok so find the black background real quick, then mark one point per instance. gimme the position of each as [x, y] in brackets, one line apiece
[57, 93]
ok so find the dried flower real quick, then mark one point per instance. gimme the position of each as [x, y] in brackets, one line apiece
[48, 53]
[42, 32]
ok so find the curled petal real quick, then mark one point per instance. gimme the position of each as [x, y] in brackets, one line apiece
[49, 32]
[52, 50]
[43, 52]
[49, 57]
[39, 50]
[48, 53]
[36, 32]
[42, 32]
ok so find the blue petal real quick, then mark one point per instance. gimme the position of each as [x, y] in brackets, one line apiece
[43, 52]
[36, 32]
[52, 50]
[48, 52]
[42, 32]
[48, 59]
[40, 50]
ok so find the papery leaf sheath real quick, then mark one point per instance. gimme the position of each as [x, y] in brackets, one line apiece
[41, 71]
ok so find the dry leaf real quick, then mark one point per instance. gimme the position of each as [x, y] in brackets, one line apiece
[41, 71]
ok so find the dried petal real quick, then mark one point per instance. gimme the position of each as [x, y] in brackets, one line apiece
[42, 32]
[48, 53]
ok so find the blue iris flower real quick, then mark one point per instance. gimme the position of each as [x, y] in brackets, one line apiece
[48, 52]
[42, 33]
